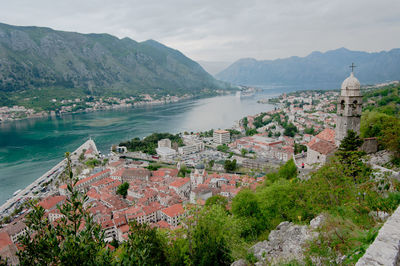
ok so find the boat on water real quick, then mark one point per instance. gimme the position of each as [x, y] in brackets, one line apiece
[16, 192]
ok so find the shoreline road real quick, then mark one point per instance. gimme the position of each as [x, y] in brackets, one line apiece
[35, 187]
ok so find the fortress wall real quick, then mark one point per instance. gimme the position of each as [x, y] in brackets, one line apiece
[385, 250]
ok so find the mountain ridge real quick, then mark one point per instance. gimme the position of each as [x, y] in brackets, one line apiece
[317, 67]
[96, 64]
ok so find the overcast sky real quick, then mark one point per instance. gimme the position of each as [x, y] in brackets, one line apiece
[224, 30]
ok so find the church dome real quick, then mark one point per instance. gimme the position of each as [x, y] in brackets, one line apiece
[350, 86]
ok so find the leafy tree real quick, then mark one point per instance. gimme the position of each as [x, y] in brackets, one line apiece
[75, 239]
[384, 127]
[245, 206]
[245, 122]
[92, 163]
[391, 137]
[149, 143]
[211, 163]
[153, 167]
[309, 130]
[183, 171]
[212, 237]
[123, 189]
[298, 148]
[223, 148]
[217, 200]
[251, 132]
[145, 246]
[243, 152]
[351, 142]
[290, 130]
[230, 165]
[349, 154]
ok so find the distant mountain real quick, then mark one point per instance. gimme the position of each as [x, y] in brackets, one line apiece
[214, 67]
[330, 67]
[96, 64]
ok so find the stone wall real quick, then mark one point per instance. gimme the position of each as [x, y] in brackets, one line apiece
[385, 250]
[370, 145]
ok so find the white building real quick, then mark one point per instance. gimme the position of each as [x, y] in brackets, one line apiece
[193, 148]
[164, 143]
[221, 136]
[165, 152]
[173, 214]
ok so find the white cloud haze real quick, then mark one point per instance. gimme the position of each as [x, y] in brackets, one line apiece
[224, 30]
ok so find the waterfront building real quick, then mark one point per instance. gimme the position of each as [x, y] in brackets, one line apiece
[165, 153]
[193, 148]
[221, 137]
[164, 143]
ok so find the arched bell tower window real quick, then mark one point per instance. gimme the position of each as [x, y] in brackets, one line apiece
[342, 105]
[354, 104]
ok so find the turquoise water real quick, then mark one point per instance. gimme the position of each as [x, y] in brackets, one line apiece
[29, 148]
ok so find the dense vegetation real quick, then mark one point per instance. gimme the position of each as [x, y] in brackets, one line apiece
[381, 118]
[123, 189]
[150, 143]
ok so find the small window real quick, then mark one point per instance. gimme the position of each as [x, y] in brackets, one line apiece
[354, 104]
[342, 105]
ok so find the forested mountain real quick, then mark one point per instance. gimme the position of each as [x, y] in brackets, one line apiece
[94, 64]
[329, 67]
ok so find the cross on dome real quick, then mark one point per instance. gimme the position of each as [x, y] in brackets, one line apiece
[352, 67]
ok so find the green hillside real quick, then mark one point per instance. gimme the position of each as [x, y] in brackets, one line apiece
[33, 59]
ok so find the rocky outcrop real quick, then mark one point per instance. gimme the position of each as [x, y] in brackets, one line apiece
[380, 158]
[385, 250]
[286, 242]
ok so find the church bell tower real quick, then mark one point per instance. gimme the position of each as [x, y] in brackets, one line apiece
[349, 108]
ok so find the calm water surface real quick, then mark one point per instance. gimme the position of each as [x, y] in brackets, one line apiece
[31, 147]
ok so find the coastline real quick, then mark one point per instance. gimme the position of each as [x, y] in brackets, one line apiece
[44, 114]
[77, 143]
[34, 189]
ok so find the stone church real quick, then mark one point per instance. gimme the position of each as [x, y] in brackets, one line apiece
[349, 110]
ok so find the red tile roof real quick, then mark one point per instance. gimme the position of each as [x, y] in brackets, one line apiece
[180, 182]
[323, 147]
[5, 240]
[92, 177]
[162, 224]
[173, 210]
[51, 201]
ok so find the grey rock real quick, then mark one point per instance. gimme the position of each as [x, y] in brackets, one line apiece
[379, 215]
[284, 244]
[317, 221]
[240, 262]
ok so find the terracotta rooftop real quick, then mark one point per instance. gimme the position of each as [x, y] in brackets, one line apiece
[180, 182]
[51, 201]
[173, 210]
[162, 224]
[327, 134]
[323, 147]
[5, 240]
[221, 131]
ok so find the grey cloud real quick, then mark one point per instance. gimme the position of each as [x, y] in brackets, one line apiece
[224, 30]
